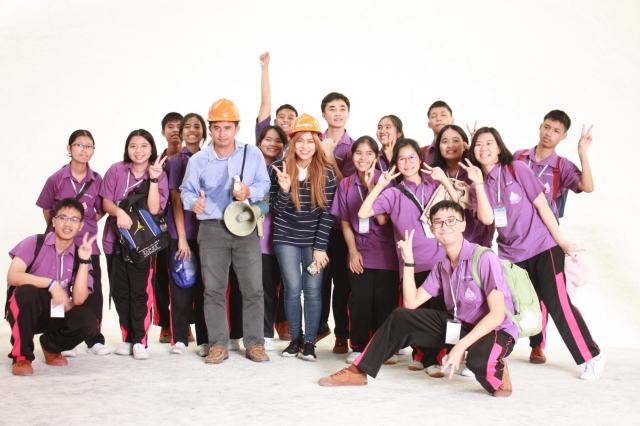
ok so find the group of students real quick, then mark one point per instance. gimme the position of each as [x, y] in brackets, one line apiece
[350, 214]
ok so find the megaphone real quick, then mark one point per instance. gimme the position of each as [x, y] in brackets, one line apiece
[242, 218]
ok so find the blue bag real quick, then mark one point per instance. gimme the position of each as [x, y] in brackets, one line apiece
[184, 270]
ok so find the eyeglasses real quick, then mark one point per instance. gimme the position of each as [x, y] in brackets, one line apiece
[74, 220]
[450, 222]
[412, 159]
[82, 147]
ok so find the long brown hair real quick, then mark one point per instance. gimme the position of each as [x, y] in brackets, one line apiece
[316, 174]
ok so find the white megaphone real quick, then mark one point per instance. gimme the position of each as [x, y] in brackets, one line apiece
[241, 218]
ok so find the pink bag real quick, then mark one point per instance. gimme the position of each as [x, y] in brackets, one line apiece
[577, 274]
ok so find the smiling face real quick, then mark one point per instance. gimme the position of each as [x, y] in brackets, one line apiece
[81, 155]
[552, 133]
[364, 157]
[387, 131]
[139, 150]
[305, 147]
[285, 119]
[336, 113]
[272, 145]
[65, 228]
[408, 162]
[451, 145]
[438, 118]
[486, 151]
[192, 132]
[447, 235]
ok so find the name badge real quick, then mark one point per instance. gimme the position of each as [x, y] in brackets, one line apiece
[57, 311]
[363, 225]
[500, 216]
[427, 231]
[453, 332]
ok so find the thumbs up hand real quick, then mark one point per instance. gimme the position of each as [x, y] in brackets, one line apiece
[198, 207]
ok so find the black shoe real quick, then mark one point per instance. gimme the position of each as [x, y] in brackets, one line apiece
[293, 349]
[308, 352]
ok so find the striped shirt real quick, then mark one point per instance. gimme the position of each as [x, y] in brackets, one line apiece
[306, 227]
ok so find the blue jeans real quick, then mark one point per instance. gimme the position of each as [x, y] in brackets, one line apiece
[293, 266]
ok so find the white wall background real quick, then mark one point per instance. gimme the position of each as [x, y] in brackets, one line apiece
[115, 66]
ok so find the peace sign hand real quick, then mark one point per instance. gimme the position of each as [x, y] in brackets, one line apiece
[436, 173]
[156, 169]
[473, 173]
[585, 140]
[471, 132]
[387, 177]
[369, 174]
[85, 250]
[406, 246]
[284, 180]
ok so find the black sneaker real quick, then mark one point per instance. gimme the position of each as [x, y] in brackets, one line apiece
[308, 352]
[293, 349]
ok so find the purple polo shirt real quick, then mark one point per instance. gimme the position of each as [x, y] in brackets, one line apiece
[176, 168]
[118, 183]
[525, 234]
[405, 216]
[46, 265]
[570, 175]
[470, 300]
[429, 152]
[63, 185]
[342, 154]
[476, 231]
[260, 127]
[377, 245]
[383, 163]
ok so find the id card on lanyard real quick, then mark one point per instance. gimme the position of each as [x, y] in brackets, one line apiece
[425, 227]
[363, 223]
[126, 190]
[57, 311]
[454, 327]
[500, 213]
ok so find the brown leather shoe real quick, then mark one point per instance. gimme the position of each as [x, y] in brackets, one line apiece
[22, 368]
[283, 331]
[165, 335]
[256, 353]
[341, 346]
[505, 388]
[191, 338]
[217, 354]
[55, 360]
[344, 377]
[537, 356]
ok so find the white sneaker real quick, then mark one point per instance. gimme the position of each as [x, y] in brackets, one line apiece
[178, 349]
[462, 370]
[594, 367]
[124, 349]
[402, 351]
[71, 353]
[204, 350]
[99, 349]
[392, 360]
[140, 352]
[415, 366]
[352, 357]
[434, 371]
[235, 344]
[268, 344]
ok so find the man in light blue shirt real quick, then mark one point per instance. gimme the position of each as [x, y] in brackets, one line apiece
[207, 190]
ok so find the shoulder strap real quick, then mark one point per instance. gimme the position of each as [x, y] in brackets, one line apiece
[36, 252]
[346, 188]
[244, 158]
[522, 156]
[404, 190]
[474, 265]
[85, 187]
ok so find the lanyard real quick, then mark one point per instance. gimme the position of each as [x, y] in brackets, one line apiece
[126, 191]
[59, 271]
[74, 186]
[457, 173]
[360, 192]
[453, 296]
[414, 197]
[544, 168]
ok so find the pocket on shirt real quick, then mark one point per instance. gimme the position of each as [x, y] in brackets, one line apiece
[470, 294]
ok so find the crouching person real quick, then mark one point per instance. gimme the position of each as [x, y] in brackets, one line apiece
[475, 321]
[49, 286]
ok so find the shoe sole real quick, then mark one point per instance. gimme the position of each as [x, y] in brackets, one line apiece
[328, 383]
[216, 362]
[437, 375]
[340, 350]
[390, 362]
[537, 361]
[288, 355]
[257, 359]
[307, 357]
[412, 368]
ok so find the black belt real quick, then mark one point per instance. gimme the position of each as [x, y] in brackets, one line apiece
[214, 220]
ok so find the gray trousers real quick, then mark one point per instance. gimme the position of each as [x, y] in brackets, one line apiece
[218, 247]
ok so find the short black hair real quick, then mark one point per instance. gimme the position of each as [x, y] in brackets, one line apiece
[439, 104]
[333, 96]
[438, 159]
[70, 203]
[278, 129]
[444, 205]
[203, 124]
[81, 132]
[148, 137]
[561, 116]
[172, 116]
[286, 106]
[505, 157]
[401, 143]
[369, 141]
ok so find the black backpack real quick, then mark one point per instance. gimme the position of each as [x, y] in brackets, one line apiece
[148, 233]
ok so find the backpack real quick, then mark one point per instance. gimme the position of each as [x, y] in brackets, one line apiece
[560, 200]
[148, 233]
[527, 316]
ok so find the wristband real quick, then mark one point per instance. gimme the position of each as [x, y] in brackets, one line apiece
[478, 183]
[410, 265]
[153, 180]
[51, 284]
[84, 261]
[449, 186]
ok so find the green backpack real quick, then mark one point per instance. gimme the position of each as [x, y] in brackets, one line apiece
[527, 315]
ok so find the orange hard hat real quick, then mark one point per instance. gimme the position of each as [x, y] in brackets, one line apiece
[223, 110]
[305, 123]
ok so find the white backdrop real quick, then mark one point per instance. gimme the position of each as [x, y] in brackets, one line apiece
[112, 67]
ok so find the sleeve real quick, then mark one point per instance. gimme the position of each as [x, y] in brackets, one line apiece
[25, 249]
[326, 219]
[47, 197]
[261, 182]
[108, 185]
[385, 201]
[163, 189]
[278, 199]
[570, 176]
[529, 183]
[190, 187]
[339, 206]
[433, 284]
[492, 275]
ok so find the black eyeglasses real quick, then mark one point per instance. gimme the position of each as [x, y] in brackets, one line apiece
[450, 222]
